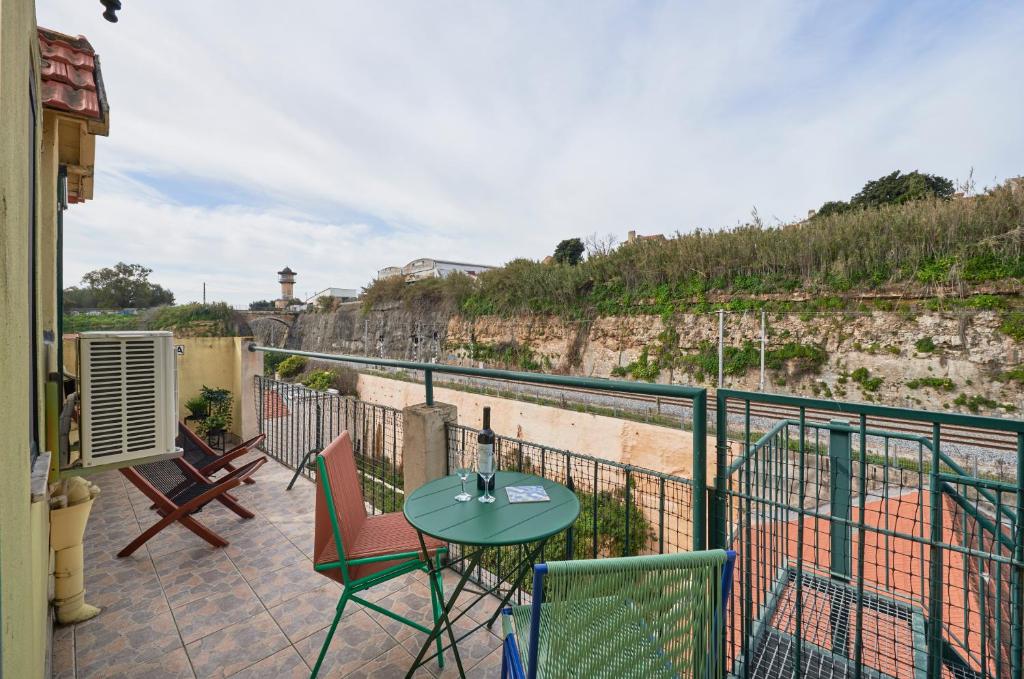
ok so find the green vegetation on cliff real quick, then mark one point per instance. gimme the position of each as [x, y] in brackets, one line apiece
[799, 359]
[928, 242]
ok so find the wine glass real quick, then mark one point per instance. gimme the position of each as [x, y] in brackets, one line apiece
[485, 468]
[463, 468]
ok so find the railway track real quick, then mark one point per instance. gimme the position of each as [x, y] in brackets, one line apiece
[986, 439]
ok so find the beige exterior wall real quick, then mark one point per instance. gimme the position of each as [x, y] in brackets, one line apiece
[645, 445]
[24, 527]
[221, 363]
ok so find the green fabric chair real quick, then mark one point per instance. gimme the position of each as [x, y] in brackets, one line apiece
[642, 616]
[361, 551]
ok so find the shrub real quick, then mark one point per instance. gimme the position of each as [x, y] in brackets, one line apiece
[1016, 374]
[974, 403]
[930, 240]
[925, 345]
[641, 369]
[862, 376]
[199, 320]
[291, 366]
[271, 361]
[1013, 325]
[320, 380]
[936, 383]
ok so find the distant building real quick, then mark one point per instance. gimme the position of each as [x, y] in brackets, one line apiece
[419, 269]
[632, 237]
[340, 294]
[286, 277]
[389, 272]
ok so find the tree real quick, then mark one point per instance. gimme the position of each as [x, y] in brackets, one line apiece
[898, 188]
[261, 305]
[123, 286]
[832, 207]
[569, 251]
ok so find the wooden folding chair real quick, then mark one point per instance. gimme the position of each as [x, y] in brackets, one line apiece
[178, 490]
[361, 551]
[208, 461]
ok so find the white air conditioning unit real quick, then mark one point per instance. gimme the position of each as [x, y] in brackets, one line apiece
[128, 392]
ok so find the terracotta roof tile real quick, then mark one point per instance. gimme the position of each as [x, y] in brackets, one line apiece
[70, 75]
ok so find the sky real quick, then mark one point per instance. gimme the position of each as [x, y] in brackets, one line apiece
[338, 138]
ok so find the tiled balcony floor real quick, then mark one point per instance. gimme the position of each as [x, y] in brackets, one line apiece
[180, 608]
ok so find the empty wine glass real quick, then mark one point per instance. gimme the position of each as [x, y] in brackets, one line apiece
[485, 468]
[463, 466]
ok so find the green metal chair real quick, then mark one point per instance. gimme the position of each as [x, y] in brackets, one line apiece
[359, 550]
[641, 616]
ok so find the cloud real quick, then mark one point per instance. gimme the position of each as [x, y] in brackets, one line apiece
[339, 138]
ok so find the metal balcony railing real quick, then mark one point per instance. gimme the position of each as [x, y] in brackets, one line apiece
[866, 547]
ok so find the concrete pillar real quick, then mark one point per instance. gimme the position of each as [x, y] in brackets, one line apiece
[249, 364]
[425, 442]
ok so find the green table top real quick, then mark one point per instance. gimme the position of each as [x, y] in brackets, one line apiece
[433, 510]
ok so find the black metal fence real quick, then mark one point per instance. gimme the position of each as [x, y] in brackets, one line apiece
[299, 422]
[867, 552]
[624, 510]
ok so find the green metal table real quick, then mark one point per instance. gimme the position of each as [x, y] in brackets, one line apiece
[432, 510]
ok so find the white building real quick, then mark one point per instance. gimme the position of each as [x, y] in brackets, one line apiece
[419, 269]
[342, 294]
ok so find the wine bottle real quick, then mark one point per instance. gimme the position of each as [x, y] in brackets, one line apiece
[485, 450]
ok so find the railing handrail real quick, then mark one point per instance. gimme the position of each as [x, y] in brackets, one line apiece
[583, 456]
[595, 383]
[869, 409]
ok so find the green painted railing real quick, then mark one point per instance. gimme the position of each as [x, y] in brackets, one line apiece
[697, 396]
[906, 566]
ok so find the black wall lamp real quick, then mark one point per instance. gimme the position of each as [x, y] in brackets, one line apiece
[112, 6]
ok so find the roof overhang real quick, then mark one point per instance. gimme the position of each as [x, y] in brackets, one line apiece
[74, 105]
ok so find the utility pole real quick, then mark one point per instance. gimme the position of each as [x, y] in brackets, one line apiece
[204, 292]
[764, 335]
[721, 347]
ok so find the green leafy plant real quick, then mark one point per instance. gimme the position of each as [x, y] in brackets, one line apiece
[320, 380]
[862, 376]
[925, 240]
[198, 406]
[925, 345]
[976, 402]
[198, 320]
[291, 366]
[218, 410]
[569, 251]
[271, 361]
[1013, 325]
[936, 383]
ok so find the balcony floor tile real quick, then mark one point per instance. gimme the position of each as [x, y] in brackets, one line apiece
[180, 609]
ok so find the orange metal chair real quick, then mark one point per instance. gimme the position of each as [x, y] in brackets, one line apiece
[361, 550]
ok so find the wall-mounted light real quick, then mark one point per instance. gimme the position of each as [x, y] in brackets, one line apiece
[112, 6]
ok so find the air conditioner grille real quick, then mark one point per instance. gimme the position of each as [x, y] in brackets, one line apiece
[126, 378]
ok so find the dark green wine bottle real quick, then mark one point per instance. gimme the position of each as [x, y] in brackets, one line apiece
[485, 449]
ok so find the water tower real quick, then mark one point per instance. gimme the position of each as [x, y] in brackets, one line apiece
[286, 277]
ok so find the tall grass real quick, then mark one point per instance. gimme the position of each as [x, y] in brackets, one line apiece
[923, 243]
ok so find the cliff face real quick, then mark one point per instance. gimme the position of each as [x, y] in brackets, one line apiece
[392, 331]
[951, 361]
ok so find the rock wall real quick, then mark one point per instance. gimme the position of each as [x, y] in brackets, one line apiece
[952, 361]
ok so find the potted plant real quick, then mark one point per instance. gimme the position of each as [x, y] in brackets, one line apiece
[199, 408]
[218, 412]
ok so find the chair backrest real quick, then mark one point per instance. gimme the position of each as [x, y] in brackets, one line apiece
[340, 509]
[641, 616]
[166, 476]
[193, 446]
